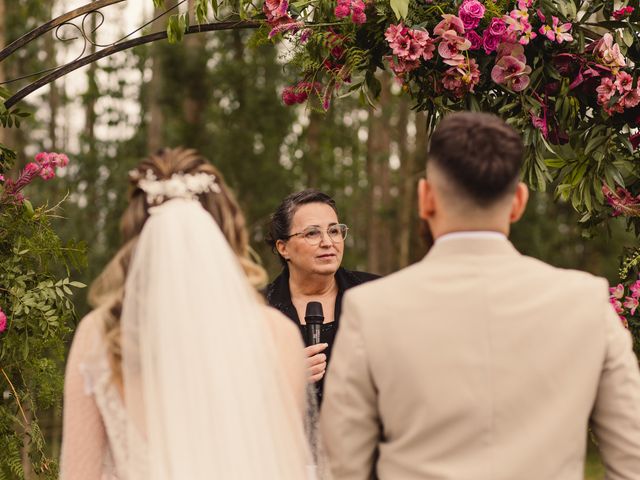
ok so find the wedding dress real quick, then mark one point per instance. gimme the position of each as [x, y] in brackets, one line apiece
[205, 396]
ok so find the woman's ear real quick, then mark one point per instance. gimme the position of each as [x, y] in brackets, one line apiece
[281, 247]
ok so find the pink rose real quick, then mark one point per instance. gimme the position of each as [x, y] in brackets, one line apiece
[471, 12]
[490, 42]
[497, 27]
[475, 39]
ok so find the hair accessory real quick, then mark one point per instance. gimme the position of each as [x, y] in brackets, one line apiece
[180, 185]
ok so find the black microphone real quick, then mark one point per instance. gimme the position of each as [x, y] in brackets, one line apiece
[314, 318]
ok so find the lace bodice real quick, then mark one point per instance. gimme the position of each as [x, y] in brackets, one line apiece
[95, 421]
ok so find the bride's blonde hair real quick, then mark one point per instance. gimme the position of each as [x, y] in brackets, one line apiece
[108, 289]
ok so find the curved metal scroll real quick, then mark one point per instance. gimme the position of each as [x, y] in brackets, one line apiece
[118, 47]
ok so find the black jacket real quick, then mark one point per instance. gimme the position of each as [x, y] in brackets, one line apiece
[278, 296]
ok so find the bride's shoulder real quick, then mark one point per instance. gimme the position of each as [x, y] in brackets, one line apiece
[282, 327]
[91, 328]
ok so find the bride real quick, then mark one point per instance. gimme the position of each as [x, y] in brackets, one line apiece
[181, 372]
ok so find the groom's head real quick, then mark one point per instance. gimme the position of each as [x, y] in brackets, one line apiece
[473, 171]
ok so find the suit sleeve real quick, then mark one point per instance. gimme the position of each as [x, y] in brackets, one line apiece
[349, 418]
[616, 414]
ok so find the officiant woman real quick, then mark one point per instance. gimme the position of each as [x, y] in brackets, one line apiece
[309, 239]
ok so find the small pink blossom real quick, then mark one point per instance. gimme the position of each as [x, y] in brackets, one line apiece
[3, 321]
[623, 82]
[1, 178]
[540, 123]
[426, 43]
[561, 31]
[617, 291]
[631, 303]
[634, 289]
[617, 305]
[631, 99]
[471, 12]
[623, 12]
[605, 90]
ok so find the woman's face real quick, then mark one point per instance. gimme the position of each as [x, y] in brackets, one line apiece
[325, 257]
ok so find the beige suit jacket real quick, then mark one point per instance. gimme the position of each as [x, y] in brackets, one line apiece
[479, 363]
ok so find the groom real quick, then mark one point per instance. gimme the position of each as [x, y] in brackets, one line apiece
[479, 363]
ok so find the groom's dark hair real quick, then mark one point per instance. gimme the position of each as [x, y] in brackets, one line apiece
[479, 153]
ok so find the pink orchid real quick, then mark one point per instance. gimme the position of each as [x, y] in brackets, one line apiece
[3, 321]
[512, 72]
[631, 303]
[609, 52]
[449, 22]
[451, 46]
[617, 291]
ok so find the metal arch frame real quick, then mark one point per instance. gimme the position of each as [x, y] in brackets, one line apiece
[108, 50]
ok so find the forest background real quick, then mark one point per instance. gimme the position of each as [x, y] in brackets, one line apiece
[220, 93]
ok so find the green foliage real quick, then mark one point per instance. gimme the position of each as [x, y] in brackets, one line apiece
[40, 316]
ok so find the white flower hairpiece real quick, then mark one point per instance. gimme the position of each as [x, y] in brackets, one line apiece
[180, 185]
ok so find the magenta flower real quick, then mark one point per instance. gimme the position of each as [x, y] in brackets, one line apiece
[490, 42]
[426, 43]
[394, 32]
[497, 27]
[631, 99]
[3, 321]
[475, 39]
[449, 22]
[357, 12]
[634, 289]
[623, 12]
[540, 123]
[1, 178]
[471, 12]
[275, 9]
[631, 303]
[622, 202]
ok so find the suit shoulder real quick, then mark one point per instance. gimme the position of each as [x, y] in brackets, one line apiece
[566, 276]
[377, 284]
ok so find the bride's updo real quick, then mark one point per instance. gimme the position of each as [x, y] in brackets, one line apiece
[221, 204]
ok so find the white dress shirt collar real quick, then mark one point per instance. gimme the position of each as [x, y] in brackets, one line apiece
[471, 235]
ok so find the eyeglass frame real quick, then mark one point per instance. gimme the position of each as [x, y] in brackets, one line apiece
[346, 231]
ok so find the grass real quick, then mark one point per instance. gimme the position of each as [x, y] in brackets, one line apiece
[593, 469]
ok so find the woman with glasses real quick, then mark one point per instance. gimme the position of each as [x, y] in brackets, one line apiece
[309, 239]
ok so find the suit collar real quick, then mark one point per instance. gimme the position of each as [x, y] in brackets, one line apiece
[472, 245]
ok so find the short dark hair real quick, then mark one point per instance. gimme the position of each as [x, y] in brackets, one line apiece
[279, 227]
[479, 153]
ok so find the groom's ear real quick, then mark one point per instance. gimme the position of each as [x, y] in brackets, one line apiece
[426, 199]
[519, 203]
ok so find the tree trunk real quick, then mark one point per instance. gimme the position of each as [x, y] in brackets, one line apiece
[411, 165]
[378, 144]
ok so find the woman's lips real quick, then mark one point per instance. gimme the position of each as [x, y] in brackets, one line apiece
[326, 255]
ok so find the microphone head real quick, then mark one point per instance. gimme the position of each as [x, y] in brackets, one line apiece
[314, 313]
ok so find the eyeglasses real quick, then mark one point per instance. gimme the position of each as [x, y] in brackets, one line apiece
[313, 235]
